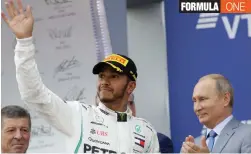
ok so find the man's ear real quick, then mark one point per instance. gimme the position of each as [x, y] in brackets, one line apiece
[227, 97]
[131, 87]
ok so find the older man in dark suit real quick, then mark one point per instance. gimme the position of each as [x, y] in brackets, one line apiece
[213, 98]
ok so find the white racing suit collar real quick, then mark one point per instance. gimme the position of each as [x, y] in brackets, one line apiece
[117, 114]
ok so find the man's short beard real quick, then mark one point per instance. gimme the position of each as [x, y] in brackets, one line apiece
[116, 96]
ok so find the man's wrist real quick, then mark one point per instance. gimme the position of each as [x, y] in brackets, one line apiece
[24, 41]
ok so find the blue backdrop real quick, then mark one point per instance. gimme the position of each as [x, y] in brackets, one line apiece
[199, 44]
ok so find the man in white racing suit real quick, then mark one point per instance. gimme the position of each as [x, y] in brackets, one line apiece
[108, 128]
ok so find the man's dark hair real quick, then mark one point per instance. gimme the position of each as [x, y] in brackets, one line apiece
[14, 111]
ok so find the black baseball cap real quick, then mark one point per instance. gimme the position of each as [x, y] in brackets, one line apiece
[120, 63]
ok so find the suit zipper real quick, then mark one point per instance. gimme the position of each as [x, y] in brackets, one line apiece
[118, 137]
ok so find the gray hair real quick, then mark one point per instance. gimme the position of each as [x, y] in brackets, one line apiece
[222, 85]
[14, 111]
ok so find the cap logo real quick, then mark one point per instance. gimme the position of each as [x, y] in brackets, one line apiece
[133, 75]
[117, 58]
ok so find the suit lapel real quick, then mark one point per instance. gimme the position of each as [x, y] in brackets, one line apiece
[225, 135]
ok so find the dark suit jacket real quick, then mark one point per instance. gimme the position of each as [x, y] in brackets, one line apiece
[165, 143]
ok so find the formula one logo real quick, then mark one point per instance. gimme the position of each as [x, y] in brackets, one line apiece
[210, 20]
[215, 6]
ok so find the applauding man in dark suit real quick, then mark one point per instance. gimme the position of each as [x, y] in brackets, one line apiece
[213, 99]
